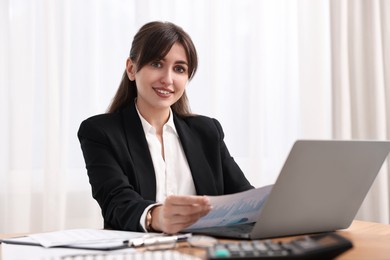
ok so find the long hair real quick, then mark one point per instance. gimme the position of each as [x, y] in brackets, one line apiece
[152, 42]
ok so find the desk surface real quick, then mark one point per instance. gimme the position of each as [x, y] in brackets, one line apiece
[370, 241]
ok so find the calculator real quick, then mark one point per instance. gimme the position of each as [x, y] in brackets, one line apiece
[315, 246]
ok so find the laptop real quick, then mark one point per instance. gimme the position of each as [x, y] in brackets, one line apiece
[320, 188]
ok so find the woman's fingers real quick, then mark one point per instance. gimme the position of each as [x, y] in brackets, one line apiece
[179, 212]
[187, 200]
[186, 205]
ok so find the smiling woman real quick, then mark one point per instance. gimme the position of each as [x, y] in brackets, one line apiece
[149, 160]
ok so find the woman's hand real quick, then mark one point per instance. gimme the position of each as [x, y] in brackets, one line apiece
[179, 212]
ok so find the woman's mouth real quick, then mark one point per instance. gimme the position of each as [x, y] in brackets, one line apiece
[163, 92]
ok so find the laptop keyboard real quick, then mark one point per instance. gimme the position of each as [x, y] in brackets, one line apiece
[233, 231]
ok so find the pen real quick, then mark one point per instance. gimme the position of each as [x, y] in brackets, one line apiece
[158, 239]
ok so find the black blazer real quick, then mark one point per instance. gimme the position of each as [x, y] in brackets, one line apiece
[121, 171]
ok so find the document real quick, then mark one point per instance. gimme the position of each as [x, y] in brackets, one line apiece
[238, 208]
[83, 236]
[95, 239]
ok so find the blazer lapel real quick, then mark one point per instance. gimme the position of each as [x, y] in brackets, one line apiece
[200, 169]
[139, 152]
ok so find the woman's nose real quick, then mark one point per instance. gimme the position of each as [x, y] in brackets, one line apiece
[167, 77]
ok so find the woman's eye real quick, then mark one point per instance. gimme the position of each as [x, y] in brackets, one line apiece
[156, 64]
[180, 69]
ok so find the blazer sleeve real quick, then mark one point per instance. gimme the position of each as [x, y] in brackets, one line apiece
[102, 146]
[213, 168]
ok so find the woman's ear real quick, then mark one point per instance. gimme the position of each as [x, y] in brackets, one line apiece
[130, 69]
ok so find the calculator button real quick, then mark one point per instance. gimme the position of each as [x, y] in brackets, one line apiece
[222, 252]
[260, 246]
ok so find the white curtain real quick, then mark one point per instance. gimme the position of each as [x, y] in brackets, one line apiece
[361, 85]
[270, 71]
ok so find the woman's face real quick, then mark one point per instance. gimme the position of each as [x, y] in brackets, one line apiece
[160, 83]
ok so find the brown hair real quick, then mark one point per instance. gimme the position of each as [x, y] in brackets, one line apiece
[152, 42]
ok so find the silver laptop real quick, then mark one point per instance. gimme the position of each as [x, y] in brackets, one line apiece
[320, 188]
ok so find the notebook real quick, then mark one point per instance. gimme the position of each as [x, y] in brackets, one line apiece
[320, 188]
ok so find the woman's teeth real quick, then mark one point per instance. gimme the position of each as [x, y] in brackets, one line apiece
[163, 91]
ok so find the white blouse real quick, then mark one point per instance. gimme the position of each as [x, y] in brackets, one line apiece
[173, 175]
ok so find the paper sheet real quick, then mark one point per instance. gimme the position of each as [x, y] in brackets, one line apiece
[21, 252]
[238, 208]
[83, 236]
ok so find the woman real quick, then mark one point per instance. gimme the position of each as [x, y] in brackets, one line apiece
[150, 160]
